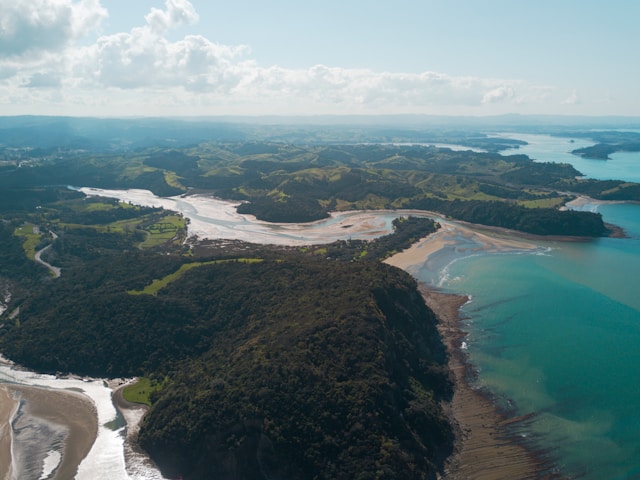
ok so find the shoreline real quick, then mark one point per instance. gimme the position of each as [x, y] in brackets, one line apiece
[8, 406]
[72, 411]
[479, 239]
[135, 457]
[487, 444]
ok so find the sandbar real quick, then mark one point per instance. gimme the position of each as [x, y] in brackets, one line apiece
[488, 239]
[74, 411]
[7, 406]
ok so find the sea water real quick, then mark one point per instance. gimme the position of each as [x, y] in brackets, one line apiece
[556, 333]
[547, 148]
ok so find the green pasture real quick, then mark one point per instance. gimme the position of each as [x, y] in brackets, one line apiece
[154, 287]
[31, 238]
[163, 231]
[140, 391]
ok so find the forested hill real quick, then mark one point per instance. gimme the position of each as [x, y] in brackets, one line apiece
[280, 182]
[314, 372]
[293, 369]
[292, 363]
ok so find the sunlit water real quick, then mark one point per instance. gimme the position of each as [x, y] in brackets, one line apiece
[546, 148]
[556, 332]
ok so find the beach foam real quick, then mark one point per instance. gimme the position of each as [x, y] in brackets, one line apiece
[105, 460]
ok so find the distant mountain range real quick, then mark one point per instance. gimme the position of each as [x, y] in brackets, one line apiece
[132, 133]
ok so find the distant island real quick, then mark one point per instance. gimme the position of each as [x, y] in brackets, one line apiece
[601, 151]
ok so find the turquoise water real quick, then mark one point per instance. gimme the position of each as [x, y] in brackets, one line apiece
[557, 333]
[545, 148]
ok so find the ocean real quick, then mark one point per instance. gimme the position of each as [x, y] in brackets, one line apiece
[555, 332]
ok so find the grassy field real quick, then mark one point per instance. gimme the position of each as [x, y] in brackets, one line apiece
[100, 206]
[164, 231]
[156, 285]
[140, 391]
[544, 202]
[158, 231]
[31, 238]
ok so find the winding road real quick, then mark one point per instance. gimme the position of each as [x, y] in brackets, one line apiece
[38, 258]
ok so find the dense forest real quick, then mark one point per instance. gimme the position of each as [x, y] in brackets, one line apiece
[266, 362]
[315, 362]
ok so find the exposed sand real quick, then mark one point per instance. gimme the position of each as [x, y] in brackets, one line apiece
[494, 240]
[213, 218]
[7, 406]
[136, 459]
[72, 410]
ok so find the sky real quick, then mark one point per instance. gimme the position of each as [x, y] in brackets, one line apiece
[128, 58]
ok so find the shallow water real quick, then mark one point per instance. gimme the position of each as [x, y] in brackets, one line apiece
[556, 332]
[560, 343]
[38, 442]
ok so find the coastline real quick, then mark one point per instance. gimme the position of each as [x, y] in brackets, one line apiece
[486, 445]
[8, 405]
[135, 458]
[74, 412]
[483, 239]
[487, 442]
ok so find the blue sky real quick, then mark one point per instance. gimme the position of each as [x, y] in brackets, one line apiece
[250, 57]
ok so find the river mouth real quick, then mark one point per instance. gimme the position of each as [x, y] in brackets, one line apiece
[63, 428]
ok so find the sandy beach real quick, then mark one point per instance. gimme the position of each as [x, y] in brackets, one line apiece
[494, 240]
[71, 411]
[7, 406]
[136, 459]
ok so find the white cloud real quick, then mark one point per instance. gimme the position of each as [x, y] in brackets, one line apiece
[143, 59]
[144, 72]
[40, 26]
[178, 13]
[499, 94]
[572, 99]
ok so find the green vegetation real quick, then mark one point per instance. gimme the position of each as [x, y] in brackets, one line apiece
[31, 238]
[262, 361]
[171, 227]
[141, 391]
[281, 182]
[156, 285]
[602, 151]
[319, 358]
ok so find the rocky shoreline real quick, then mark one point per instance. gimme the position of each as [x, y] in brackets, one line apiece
[487, 442]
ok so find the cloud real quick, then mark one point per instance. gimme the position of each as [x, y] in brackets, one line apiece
[137, 71]
[178, 13]
[499, 94]
[572, 99]
[143, 59]
[40, 26]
